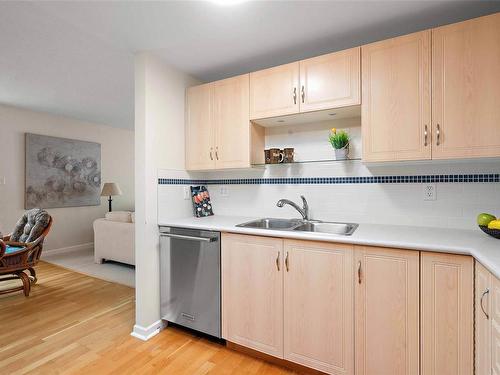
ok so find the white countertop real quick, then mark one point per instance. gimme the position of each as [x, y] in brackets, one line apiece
[483, 248]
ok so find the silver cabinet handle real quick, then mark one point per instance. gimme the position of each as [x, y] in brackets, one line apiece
[286, 262]
[192, 238]
[359, 272]
[425, 136]
[211, 156]
[217, 152]
[303, 94]
[482, 297]
[188, 316]
[278, 261]
[295, 95]
[438, 135]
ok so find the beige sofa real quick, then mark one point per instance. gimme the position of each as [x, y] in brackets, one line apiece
[114, 238]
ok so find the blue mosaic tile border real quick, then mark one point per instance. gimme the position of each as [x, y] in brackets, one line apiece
[447, 178]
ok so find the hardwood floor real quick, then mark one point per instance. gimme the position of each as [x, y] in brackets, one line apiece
[75, 324]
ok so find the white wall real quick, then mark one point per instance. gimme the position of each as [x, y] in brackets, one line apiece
[72, 225]
[159, 127]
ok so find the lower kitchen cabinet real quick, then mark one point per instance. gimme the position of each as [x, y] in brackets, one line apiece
[387, 311]
[290, 299]
[482, 325]
[359, 310]
[446, 314]
[487, 322]
[495, 326]
[252, 292]
[318, 306]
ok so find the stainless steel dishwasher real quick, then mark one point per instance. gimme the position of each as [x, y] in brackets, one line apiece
[190, 278]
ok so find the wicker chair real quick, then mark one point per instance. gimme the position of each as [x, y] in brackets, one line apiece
[24, 257]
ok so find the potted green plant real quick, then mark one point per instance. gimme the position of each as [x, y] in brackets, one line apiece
[340, 142]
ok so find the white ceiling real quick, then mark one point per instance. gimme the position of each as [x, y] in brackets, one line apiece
[76, 58]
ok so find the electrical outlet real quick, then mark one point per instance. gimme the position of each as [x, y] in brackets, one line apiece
[2, 180]
[186, 193]
[224, 191]
[429, 192]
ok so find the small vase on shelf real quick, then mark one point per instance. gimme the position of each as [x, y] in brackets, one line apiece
[342, 153]
[340, 143]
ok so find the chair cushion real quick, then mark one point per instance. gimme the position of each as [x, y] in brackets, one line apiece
[12, 249]
[122, 216]
[30, 226]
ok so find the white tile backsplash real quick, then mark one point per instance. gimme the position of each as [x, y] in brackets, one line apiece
[456, 206]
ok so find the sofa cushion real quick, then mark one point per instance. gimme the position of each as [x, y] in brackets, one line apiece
[30, 226]
[122, 216]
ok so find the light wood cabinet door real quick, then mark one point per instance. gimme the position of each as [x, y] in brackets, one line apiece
[252, 292]
[274, 91]
[386, 311]
[495, 326]
[446, 314]
[466, 89]
[482, 320]
[330, 81]
[319, 306]
[232, 123]
[396, 102]
[199, 128]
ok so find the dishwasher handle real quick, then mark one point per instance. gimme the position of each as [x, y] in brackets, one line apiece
[192, 238]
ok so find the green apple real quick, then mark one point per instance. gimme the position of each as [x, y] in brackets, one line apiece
[484, 219]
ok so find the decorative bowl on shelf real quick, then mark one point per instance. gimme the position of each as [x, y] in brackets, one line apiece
[492, 232]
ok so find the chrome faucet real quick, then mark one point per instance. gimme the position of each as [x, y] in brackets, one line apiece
[304, 211]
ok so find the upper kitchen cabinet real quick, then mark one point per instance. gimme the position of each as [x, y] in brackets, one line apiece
[218, 130]
[396, 102]
[330, 81]
[231, 123]
[274, 91]
[319, 83]
[199, 128]
[465, 89]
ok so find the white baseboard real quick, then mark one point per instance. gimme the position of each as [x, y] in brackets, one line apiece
[83, 246]
[145, 333]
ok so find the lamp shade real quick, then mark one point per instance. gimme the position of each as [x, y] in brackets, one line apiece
[109, 189]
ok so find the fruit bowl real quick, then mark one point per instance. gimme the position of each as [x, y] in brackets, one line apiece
[492, 232]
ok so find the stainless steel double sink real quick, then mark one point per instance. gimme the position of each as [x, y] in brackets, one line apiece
[297, 225]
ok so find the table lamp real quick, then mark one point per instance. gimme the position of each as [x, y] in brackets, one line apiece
[110, 189]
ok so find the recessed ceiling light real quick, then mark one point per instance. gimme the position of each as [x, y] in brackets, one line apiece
[227, 2]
